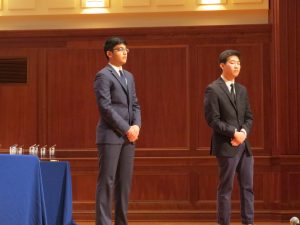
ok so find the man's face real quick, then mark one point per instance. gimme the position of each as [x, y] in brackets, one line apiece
[118, 56]
[231, 68]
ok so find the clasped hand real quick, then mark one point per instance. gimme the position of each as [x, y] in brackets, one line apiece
[133, 133]
[238, 138]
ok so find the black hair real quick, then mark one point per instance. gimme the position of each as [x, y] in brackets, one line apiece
[223, 57]
[111, 42]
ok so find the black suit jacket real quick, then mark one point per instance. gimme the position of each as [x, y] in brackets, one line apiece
[118, 106]
[224, 116]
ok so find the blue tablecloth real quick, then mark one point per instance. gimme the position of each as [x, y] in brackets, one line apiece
[58, 192]
[21, 191]
[34, 192]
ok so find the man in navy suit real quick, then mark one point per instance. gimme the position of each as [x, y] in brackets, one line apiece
[117, 131]
[228, 113]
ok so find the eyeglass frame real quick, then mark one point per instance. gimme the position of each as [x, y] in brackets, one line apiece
[121, 49]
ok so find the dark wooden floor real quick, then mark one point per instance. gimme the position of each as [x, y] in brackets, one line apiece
[187, 223]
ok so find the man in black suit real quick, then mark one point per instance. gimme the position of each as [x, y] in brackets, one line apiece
[228, 113]
[117, 131]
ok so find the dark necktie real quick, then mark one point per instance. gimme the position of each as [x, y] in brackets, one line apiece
[232, 92]
[123, 79]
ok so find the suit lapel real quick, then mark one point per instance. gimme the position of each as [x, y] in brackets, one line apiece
[116, 75]
[237, 94]
[225, 89]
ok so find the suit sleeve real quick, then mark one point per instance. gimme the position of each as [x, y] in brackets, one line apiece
[213, 115]
[135, 107]
[247, 125]
[102, 88]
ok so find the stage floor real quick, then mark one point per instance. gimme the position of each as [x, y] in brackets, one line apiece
[189, 223]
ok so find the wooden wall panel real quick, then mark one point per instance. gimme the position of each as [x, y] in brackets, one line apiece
[19, 102]
[207, 181]
[84, 177]
[155, 186]
[285, 18]
[72, 110]
[84, 184]
[161, 76]
[293, 182]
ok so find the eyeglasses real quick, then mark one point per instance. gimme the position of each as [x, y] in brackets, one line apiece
[121, 49]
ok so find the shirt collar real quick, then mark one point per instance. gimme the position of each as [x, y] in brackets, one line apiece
[116, 68]
[227, 82]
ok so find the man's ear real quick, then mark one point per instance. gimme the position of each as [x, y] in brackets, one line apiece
[109, 54]
[222, 65]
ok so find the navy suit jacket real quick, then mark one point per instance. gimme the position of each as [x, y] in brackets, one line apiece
[224, 116]
[118, 106]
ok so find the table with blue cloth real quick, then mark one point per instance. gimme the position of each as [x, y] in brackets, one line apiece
[34, 192]
[57, 184]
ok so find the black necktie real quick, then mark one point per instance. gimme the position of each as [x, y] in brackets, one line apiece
[123, 79]
[232, 92]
